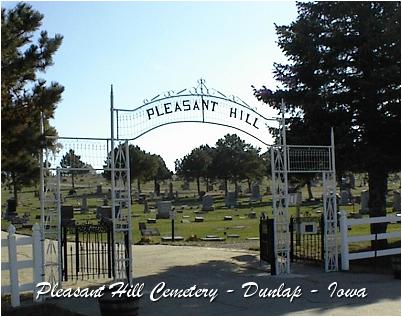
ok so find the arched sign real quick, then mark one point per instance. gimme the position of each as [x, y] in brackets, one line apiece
[199, 104]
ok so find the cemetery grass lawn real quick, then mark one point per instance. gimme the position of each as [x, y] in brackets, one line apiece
[213, 221]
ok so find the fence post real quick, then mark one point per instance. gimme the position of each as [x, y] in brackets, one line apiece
[343, 224]
[37, 259]
[12, 260]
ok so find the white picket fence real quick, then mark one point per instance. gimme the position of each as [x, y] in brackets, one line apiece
[345, 239]
[13, 265]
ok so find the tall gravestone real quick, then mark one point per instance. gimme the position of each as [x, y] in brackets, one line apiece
[164, 209]
[207, 203]
[157, 189]
[99, 189]
[364, 209]
[255, 192]
[11, 210]
[396, 201]
[84, 203]
[146, 207]
[171, 194]
[230, 200]
[344, 200]
[352, 181]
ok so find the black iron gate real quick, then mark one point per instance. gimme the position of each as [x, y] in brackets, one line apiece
[87, 251]
[306, 239]
[267, 243]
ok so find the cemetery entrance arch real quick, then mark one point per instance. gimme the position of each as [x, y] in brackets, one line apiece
[206, 105]
[200, 105]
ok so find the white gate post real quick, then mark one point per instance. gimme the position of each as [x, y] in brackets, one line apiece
[343, 223]
[37, 259]
[12, 261]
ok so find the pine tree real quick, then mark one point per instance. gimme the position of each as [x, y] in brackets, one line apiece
[73, 162]
[24, 96]
[344, 71]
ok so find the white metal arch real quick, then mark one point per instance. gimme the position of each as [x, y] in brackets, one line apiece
[212, 107]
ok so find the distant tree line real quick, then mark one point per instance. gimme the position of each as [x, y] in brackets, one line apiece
[144, 167]
[232, 159]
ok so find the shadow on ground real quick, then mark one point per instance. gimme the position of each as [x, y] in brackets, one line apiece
[383, 291]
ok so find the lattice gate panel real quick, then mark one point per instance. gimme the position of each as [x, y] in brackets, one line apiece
[121, 204]
[95, 156]
[280, 211]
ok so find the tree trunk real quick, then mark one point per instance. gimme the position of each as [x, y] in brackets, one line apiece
[377, 203]
[226, 186]
[72, 178]
[207, 185]
[139, 185]
[198, 185]
[15, 188]
[310, 192]
[155, 185]
[236, 189]
[249, 184]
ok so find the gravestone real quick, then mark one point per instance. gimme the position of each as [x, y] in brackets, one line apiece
[352, 181]
[141, 198]
[146, 207]
[157, 189]
[104, 212]
[164, 209]
[255, 192]
[230, 200]
[233, 235]
[11, 210]
[170, 195]
[199, 219]
[344, 199]
[396, 201]
[295, 199]
[364, 198]
[252, 215]
[185, 186]
[84, 203]
[99, 189]
[207, 203]
[67, 213]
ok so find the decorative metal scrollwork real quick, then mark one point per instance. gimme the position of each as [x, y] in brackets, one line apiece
[200, 90]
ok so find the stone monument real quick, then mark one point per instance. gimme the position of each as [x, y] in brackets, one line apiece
[207, 203]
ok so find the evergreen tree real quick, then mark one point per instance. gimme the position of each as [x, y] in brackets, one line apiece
[344, 71]
[24, 96]
[162, 171]
[73, 162]
[196, 165]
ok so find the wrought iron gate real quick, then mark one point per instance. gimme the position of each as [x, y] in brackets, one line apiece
[306, 239]
[87, 251]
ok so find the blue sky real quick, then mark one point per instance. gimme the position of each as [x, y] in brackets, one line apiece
[145, 48]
